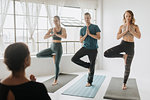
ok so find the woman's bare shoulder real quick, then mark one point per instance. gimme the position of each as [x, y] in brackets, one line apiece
[121, 26]
[6, 81]
[135, 26]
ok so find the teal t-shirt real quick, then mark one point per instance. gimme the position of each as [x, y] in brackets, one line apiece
[89, 42]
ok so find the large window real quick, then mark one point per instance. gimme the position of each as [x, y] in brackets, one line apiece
[8, 28]
[71, 18]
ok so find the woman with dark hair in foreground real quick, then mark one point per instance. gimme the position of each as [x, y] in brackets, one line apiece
[17, 86]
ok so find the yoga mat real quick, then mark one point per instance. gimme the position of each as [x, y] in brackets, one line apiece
[115, 91]
[63, 79]
[79, 88]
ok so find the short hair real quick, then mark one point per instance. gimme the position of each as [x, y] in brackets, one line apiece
[14, 56]
[87, 13]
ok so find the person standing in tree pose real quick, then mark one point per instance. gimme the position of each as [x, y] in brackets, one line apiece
[89, 35]
[55, 51]
[127, 31]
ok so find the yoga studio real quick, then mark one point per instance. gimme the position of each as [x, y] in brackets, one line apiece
[74, 50]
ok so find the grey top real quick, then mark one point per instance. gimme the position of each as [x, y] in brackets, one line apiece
[56, 37]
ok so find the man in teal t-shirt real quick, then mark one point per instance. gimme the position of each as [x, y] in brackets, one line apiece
[89, 35]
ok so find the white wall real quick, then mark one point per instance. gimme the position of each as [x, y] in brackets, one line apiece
[113, 11]
[100, 42]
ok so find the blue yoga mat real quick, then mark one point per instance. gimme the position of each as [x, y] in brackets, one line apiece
[79, 89]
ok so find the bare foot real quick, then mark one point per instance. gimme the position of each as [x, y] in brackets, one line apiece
[125, 57]
[124, 87]
[54, 83]
[88, 70]
[54, 58]
[88, 85]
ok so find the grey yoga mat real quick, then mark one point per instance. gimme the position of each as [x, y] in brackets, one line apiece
[115, 92]
[63, 79]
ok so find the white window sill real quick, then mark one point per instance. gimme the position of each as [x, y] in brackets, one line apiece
[33, 56]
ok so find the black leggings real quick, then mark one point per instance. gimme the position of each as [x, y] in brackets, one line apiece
[92, 54]
[128, 48]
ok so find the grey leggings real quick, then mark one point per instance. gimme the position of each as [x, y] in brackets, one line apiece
[128, 48]
[56, 48]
